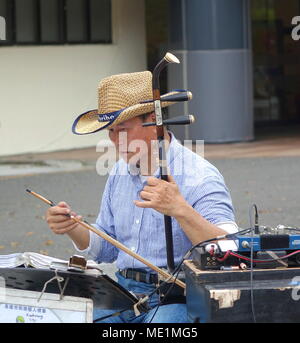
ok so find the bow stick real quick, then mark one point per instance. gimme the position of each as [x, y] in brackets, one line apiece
[114, 242]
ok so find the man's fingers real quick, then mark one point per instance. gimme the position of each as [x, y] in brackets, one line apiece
[144, 204]
[77, 217]
[152, 181]
[62, 230]
[63, 223]
[55, 210]
[58, 219]
[149, 189]
[66, 225]
[61, 219]
[146, 195]
[171, 179]
[74, 214]
[63, 204]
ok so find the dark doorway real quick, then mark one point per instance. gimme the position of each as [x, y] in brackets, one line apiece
[276, 63]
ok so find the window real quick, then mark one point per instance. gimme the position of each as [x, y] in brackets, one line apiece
[26, 17]
[51, 23]
[38, 22]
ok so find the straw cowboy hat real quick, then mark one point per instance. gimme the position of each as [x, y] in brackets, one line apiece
[120, 97]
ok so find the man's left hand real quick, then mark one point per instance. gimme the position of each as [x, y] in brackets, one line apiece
[162, 196]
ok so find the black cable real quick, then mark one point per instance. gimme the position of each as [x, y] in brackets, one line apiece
[165, 296]
[197, 245]
[187, 254]
[266, 260]
[177, 270]
[293, 229]
[228, 236]
[117, 313]
[251, 280]
[256, 230]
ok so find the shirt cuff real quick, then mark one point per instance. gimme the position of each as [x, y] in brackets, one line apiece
[230, 227]
[82, 251]
[94, 248]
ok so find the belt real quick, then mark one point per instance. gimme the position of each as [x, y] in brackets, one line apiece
[139, 275]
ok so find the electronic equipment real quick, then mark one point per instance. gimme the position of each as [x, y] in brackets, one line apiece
[267, 248]
[215, 296]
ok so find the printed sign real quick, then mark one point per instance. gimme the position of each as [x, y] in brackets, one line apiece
[12, 313]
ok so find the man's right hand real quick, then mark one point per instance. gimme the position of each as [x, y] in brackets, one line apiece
[58, 220]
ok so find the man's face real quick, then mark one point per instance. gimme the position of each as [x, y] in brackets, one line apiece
[132, 140]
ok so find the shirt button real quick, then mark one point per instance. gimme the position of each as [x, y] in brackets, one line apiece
[133, 249]
[137, 221]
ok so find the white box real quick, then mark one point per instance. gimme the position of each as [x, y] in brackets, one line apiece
[23, 306]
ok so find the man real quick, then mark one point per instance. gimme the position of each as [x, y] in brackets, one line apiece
[135, 198]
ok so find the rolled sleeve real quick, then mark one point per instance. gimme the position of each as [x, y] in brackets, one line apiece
[213, 201]
[230, 227]
[94, 247]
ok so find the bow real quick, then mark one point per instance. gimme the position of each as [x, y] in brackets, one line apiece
[117, 244]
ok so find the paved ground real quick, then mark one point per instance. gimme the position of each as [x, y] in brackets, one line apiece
[265, 172]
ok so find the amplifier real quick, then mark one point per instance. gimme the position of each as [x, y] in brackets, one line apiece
[270, 248]
[268, 242]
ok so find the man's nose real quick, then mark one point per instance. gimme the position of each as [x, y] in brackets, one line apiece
[122, 138]
[119, 139]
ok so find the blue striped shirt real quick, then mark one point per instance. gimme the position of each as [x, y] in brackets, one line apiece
[142, 229]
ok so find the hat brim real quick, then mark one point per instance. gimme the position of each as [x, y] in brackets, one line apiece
[92, 121]
[87, 123]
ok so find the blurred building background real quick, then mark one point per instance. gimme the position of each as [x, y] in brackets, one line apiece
[237, 57]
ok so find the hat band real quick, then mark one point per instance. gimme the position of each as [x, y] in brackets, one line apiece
[108, 117]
